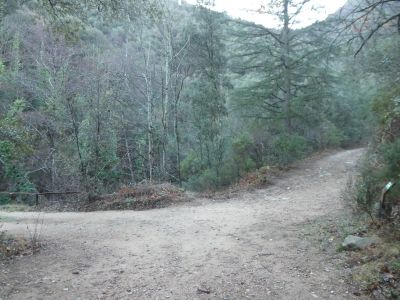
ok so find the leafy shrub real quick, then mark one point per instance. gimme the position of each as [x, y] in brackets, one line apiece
[2, 67]
[289, 148]
[391, 158]
[368, 188]
[208, 180]
[14, 146]
[386, 107]
[331, 136]
[378, 168]
[191, 166]
[242, 145]
[228, 174]
[200, 177]
[382, 163]
[242, 148]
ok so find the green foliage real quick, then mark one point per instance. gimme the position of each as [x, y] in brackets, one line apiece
[368, 187]
[200, 177]
[191, 166]
[387, 105]
[12, 131]
[379, 167]
[205, 181]
[391, 159]
[242, 148]
[289, 148]
[17, 107]
[14, 146]
[331, 136]
[11, 170]
[153, 90]
[395, 266]
[2, 67]
[382, 163]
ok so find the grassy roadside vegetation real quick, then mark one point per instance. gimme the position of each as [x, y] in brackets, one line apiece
[373, 271]
[26, 244]
[376, 269]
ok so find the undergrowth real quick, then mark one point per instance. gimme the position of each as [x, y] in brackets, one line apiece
[12, 246]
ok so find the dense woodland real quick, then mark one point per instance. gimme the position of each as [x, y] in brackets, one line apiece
[96, 95]
[129, 104]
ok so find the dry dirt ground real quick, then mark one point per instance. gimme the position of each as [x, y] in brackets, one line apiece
[251, 246]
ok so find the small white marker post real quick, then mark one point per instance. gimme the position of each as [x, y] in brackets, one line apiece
[388, 186]
[385, 190]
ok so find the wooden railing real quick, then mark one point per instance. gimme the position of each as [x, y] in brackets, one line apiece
[13, 195]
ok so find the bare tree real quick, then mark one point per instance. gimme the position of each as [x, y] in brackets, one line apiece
[366, 18]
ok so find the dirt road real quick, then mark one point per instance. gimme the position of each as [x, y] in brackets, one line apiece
[252, 246]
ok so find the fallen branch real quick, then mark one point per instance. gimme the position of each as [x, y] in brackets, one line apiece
[202, 291]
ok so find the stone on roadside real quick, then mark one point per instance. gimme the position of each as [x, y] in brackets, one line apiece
[353, 242]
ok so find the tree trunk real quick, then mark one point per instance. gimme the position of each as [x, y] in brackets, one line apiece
[286, 62]
[178, 143]
[77, 143]
[149, 127]
[128, 154]
[166, 92]
[98, 126]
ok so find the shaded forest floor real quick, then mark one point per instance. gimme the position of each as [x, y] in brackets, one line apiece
[262, 244]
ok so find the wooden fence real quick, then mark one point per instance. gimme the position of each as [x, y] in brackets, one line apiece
[13, 195]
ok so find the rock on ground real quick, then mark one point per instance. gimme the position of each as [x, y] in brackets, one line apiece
[353, 242]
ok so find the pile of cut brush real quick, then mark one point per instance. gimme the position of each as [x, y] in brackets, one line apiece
[139, 197]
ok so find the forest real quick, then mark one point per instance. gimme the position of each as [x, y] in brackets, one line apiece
[95, 96]
[105, 103]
